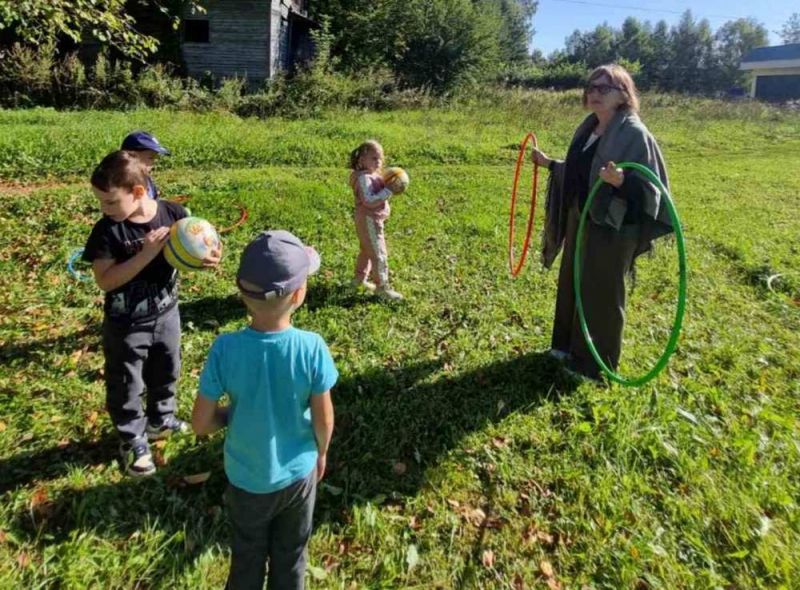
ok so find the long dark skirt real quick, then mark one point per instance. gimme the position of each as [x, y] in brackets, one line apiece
[607, 258]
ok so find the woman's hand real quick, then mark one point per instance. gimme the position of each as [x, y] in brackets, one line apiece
[540, 158]
[612, 175]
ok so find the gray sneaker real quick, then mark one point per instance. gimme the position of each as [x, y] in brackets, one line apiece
[170, 425]
[388, 293]
[136, 459]
[363, 285]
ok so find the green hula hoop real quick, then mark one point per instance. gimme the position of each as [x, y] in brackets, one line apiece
[676, 326]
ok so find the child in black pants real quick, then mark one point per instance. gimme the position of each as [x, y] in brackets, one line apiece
[141, 328]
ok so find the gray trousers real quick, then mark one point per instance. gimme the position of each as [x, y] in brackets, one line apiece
[607, 258]
[272, 527]
[139, 356]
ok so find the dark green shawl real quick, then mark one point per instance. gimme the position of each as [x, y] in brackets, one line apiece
[626, 139]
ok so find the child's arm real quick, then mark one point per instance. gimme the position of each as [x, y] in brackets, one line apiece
[110, 275]
[322, 420]
[208, 416]
[366, 193]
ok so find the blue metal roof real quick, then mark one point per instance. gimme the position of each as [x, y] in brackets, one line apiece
[777, 52]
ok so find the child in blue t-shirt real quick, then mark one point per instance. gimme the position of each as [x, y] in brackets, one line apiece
[280, 415]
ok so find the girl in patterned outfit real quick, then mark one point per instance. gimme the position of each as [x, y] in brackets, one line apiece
[371, 211]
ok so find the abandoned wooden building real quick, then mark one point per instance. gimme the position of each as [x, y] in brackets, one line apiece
[252, 39]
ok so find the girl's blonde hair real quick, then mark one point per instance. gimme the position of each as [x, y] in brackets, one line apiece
[365, 148]
[619, 76]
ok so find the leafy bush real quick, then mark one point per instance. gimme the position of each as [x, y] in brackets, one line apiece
[561, 76]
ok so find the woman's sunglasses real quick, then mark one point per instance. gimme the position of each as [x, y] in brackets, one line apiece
[601, 88]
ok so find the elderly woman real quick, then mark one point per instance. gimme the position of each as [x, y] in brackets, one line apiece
[625, 216]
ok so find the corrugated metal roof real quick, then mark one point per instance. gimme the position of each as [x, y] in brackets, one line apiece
[774, 53]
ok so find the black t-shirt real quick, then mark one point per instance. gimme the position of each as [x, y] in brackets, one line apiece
[632, 189]
[153, 290]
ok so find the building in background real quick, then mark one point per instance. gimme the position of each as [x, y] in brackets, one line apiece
[776, 72]
[254, 39]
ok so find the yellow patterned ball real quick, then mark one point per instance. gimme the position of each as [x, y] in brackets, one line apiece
[190, 240]
[396, 179]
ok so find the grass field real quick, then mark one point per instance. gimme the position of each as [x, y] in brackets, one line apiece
[462, 457]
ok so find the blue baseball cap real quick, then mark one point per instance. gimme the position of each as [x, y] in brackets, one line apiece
[141, 140]
[277, 263]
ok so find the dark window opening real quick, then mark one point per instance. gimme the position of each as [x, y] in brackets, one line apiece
[195, 31]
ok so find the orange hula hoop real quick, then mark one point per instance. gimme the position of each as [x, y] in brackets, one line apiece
[515, 269]
[243, 213]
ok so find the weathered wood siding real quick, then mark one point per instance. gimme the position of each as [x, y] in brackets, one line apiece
[239, 41]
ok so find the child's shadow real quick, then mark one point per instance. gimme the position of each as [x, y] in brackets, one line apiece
[322, 294]
[384, 416]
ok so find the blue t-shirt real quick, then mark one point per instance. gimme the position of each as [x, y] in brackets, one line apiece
[269, 377]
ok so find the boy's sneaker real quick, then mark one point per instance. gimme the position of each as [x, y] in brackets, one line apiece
[388, 293]
[364, 285]
[170, 425]
[136, 459]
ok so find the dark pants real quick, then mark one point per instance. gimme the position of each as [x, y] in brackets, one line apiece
[139, 356]
[607, 258]
[274, 527]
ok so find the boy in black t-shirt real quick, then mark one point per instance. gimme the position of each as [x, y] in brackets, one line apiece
[141, 329]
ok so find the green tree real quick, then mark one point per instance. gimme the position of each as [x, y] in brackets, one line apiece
[37, 22]
[692, 53]
[593, 48]
[655, 65]
[733, 40]
[426, 43]
[634, 41]
[790, 33]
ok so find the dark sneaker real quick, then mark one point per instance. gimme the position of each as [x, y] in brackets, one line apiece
[136, 459]
[168, 427]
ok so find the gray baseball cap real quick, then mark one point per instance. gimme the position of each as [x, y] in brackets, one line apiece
[277, 263]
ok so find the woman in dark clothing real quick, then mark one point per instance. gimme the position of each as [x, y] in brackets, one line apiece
[626, 215]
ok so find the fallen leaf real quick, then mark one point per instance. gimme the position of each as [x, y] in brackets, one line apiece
[553, 584]
[92, 417]
[317, 572]
[500, 442]
[453, 503]
[333, 490]
[488, 558]
[26, 437]
[2, 426]
[399, 468]
[39, 496]
[412, 557]
[545, 538]
[518, 583]
[197, 478]
[23, 560]
[546, 568]
[2, 537]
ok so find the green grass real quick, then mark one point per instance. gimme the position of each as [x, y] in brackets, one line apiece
[690, 482]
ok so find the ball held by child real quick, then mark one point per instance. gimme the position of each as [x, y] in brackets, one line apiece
[395, 179]
[191, 241]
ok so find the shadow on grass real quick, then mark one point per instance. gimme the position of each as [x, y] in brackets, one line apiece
[21, 353]
[412, 414]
